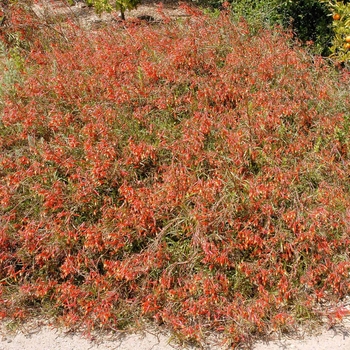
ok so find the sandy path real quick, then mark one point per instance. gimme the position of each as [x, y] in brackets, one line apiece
[47, 338]
[50, 339]
[48, 9]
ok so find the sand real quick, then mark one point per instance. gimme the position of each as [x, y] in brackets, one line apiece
[43, 337]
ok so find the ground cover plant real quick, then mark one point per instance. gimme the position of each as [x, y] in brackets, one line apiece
[190, 173]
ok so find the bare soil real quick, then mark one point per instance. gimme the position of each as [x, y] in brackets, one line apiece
[86, 16]
[39, 335]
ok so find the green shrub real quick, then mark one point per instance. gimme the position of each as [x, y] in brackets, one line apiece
[308, 19]
[257, 12]
[119, 5]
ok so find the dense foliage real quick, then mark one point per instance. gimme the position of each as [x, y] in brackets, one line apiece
[340, 48]
[191, 173]
[309, 19]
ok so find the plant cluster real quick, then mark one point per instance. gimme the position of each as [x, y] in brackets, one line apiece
[190, 173]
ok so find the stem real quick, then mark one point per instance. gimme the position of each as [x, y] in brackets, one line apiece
[122, 13]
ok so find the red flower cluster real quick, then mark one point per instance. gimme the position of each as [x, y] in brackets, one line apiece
[190, 172]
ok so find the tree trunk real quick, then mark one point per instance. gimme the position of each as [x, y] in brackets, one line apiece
[122, 13]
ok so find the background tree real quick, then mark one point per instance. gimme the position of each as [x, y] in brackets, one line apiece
[340, 14]
[108, 6]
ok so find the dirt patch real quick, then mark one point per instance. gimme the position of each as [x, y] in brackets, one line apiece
[86, 16]
[39, 335]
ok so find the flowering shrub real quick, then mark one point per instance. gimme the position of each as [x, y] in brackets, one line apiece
[189, 173]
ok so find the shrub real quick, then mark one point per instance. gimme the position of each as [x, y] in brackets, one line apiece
[257, 13]
[309, 19]
[191, 173]
[310, 22]
[119, 5]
